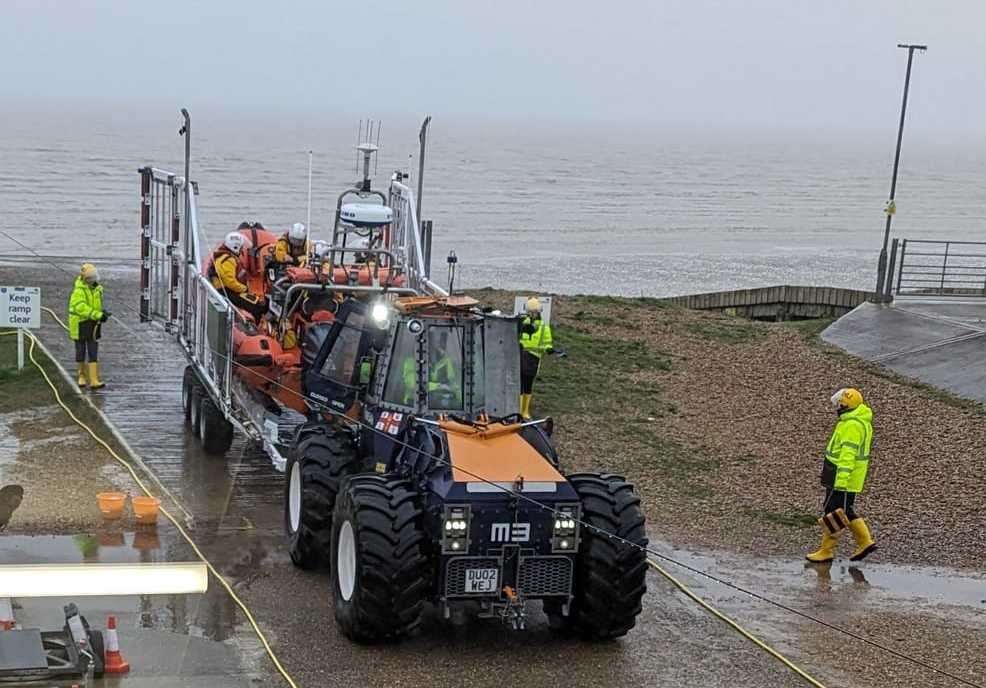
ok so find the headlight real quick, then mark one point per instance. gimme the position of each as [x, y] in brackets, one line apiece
[455, 530]
[565, 532]
[380, 313]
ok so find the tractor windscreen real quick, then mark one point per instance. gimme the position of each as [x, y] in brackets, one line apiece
[341, 362]
[402, 381]
[445, 373]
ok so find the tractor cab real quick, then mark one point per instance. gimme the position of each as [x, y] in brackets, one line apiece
[421, 356]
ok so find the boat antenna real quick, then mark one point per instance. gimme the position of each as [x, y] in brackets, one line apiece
[359, 140]
[376, 162]
[308, 218]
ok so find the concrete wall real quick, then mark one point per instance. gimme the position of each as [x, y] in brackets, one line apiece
[782, 302]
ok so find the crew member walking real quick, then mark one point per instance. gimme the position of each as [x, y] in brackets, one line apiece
[535, 341]
[85, 319]
[843, 475]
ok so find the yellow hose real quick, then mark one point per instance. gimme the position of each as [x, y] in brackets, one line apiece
[735, 626]
[167, 514]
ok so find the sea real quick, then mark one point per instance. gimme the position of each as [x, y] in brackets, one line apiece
[565, 207]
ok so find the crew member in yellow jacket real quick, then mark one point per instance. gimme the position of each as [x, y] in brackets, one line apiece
[224, 273]
[847, 458]
[535, 342]
[292, 246]
[85, 318]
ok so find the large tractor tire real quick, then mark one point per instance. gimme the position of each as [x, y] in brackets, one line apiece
[610, 575]
[189, 385]
[215, 432]
[380, 573]
[321, 458]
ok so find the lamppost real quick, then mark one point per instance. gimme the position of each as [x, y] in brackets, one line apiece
[891, 207]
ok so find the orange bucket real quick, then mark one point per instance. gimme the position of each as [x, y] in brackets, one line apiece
[146, 509]
[111, 503]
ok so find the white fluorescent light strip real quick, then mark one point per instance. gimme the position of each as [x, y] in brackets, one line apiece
[86, 580]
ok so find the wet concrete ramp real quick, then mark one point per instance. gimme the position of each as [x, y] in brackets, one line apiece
[942, 343]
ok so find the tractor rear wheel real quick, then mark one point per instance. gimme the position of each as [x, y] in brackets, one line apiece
[380, 574]
[322, 457]
[189, 385]
[610, 575]
[215, 432]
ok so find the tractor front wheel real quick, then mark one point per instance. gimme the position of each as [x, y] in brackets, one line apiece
[322, 457]
[610, 574]
[380, 574]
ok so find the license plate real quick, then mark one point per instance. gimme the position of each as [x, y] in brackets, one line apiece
[481, 580]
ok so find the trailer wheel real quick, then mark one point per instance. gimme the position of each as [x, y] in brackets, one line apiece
[321, 459]
[195, 397]
[189, 385]
[380, 574]
[610, 576]
[215, 432]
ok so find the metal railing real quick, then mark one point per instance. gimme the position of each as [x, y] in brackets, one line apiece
[174, 292]
[941, 268]
[160, 217]
[405, 239]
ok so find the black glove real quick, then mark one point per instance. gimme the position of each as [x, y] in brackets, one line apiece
[106, 316]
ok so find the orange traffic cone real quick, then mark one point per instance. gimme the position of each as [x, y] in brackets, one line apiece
[113, 662]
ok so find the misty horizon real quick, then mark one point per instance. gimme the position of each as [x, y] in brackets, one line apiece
[701, 66]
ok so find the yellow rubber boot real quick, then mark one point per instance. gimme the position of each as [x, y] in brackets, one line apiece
[864, 540]
[94, 382]
[83, 378]
[826, 551]
[525, 406]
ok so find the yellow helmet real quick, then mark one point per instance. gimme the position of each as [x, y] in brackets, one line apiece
[847, 397]
[89, 273]
[533, 305]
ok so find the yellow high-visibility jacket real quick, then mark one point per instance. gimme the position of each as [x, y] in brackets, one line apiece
[535, 336]
[86, 303]
[847, 456]
[285, 252]
[224, 271]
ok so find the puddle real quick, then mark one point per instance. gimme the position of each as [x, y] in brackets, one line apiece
[875, 584]
[19, 432]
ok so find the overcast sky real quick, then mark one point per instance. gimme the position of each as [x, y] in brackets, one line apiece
[818, 64]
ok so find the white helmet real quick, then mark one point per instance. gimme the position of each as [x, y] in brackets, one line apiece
[320, 248]
[297, 233]
[235, 242]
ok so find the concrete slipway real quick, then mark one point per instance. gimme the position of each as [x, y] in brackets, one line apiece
[940, 342]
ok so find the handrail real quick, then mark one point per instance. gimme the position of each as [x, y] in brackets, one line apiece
[941, 272]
